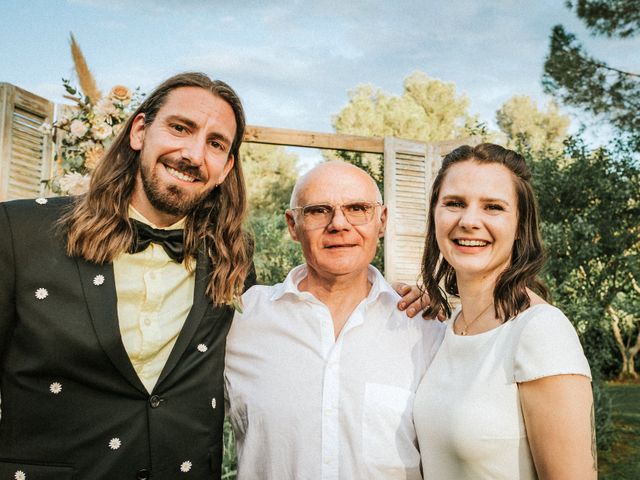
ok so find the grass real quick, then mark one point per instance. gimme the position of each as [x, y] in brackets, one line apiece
[622, 461]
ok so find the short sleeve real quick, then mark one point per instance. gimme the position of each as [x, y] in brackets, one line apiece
[548, 345]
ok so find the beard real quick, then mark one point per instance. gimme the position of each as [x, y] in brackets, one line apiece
[171, 199]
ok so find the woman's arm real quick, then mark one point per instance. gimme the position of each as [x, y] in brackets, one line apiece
[559, 417]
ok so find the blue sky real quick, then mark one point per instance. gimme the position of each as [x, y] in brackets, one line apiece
[293, 63]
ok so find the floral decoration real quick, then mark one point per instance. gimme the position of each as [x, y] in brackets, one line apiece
[84, 132]
[115, 443]
[55, 388]
[42, 293]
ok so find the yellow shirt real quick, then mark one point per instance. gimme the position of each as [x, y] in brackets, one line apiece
[155, 295]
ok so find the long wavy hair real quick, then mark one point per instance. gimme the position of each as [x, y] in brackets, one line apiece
[98, 228]
[527, 257]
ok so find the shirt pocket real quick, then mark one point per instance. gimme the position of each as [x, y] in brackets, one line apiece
[34, 471]
[389, 439]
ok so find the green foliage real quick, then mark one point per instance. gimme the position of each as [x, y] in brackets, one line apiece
[229, 458]
[428, 110]
[271, 173]
[603, 415]
[523, 123]
[275, 253]
[579, 80]
[619, 18]
[590, 205]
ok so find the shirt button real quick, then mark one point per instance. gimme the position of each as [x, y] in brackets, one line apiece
[143, 474]
[155, 401]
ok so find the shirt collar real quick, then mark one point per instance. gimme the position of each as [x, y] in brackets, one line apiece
[136, 215]
[380, 288]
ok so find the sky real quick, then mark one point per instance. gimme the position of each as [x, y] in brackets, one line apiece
[293, 63]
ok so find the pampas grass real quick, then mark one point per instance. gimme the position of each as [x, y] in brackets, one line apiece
[85, 77]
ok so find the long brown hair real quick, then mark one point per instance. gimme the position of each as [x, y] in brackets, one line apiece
[98, 228]
[527, 257]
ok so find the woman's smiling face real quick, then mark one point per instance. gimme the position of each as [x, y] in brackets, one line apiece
[476, 219]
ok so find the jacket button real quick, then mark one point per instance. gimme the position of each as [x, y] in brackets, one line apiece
[155, 401]
[143, 474]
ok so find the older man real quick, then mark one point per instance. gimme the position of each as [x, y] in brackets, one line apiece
[321, 370]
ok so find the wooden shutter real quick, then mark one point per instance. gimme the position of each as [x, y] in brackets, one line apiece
[409, 170]
[26, 153]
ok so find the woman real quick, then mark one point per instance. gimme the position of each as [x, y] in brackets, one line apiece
[508, 395]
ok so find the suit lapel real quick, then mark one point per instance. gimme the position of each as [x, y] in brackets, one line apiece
[99, 288]
[192, 322]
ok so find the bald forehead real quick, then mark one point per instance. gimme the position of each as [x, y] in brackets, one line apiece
[334, 182]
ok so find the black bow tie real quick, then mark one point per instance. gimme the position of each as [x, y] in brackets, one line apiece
[171, 240]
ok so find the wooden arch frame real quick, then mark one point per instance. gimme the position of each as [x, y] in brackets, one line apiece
[409, 170]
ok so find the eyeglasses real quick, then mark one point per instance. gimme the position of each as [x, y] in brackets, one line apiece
[320, 215]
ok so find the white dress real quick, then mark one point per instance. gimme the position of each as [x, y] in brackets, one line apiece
[467, 410]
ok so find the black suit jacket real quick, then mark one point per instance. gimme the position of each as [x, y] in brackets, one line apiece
[72, 404]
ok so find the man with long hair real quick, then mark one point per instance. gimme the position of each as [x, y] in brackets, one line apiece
[115, 305]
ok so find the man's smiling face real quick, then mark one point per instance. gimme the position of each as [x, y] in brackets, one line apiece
[340, 248]
[184, 153]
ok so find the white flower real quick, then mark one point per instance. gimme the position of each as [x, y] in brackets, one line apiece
[101, 131]
[98, 280]
[202, 348]
[42, 293]
[45, 128]
[41, 200]
[99, 119]
[55, 388]
[105, 107]
[117, 128]
[115, 443]
[74, 183]
[20, 475]
[78, 128]
[213, 403]
[186, 466]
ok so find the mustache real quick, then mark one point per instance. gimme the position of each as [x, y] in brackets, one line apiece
[182, 165]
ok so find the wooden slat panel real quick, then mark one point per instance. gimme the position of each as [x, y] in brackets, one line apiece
[25, 152]
[409, 170]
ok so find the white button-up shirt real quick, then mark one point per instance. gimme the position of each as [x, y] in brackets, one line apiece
[305, 405]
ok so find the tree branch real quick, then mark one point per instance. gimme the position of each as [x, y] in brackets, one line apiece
[615, 324]
[613, 69]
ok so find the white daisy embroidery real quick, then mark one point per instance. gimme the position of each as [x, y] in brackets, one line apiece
[202, 348]
[98, 280]
[186, 466]
[55, 388]
[20, 475]
[213, 403]
[42, 293]
[115, 443]
[41, 200]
